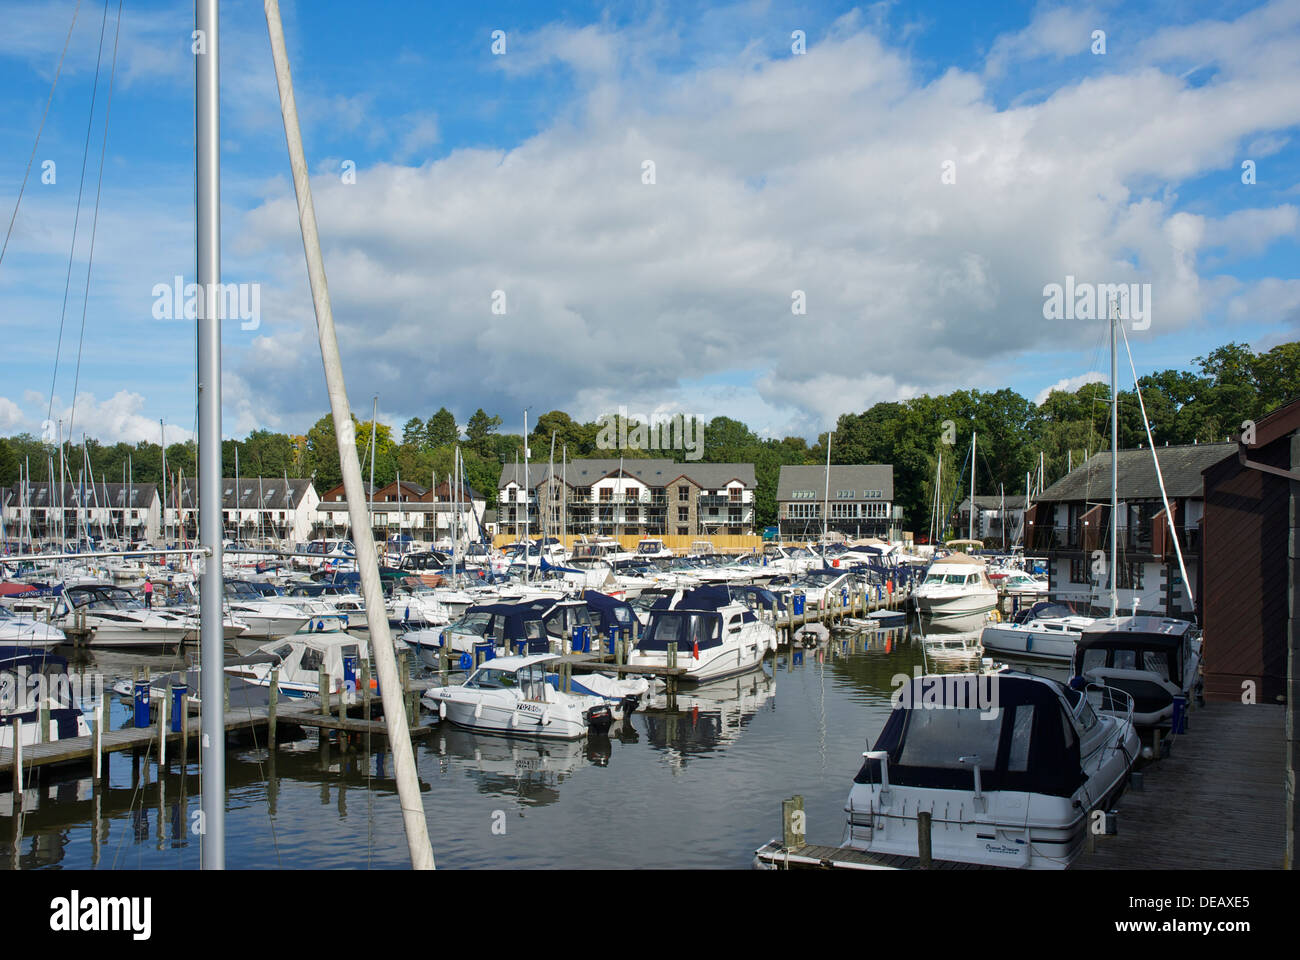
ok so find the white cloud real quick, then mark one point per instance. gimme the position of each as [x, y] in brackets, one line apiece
[1069, 385]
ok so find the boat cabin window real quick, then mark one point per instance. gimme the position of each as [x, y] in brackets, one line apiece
[734, 624]
[1093, 659]
[475, 623]
[1087, 716]
[283, 652]
[487, 679]
[1022, 728]
[930, 735]
[1125, 659]
[312, 660]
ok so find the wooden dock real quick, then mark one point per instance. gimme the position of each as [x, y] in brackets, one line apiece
[1217, 802]
[324, 715]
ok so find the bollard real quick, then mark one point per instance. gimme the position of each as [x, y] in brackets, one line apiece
[923, 839]
[793, 824]
[141, 704]
[180, 694]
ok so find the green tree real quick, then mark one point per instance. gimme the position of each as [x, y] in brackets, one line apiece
[479, 433]
[441, 429]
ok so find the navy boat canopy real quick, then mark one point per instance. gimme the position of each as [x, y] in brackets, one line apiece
[1022, 736]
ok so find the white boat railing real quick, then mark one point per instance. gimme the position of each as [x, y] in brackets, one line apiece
[1114, 701]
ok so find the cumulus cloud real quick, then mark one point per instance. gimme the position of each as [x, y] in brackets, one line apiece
[1069, 385]
[819, 174]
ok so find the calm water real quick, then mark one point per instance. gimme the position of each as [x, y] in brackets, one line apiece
[699, 787]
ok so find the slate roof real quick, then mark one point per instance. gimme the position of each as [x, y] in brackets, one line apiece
[1181, 467]
[855, 477]
[653, 473]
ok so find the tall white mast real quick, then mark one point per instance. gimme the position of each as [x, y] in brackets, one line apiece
[527, 494]
[381, 641]
[1114, 464]
[826, 507]
[207, 163]
[971, 534]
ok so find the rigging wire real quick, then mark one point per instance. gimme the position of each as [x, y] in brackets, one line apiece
[94, 224]
[76, 220]
[26, 173]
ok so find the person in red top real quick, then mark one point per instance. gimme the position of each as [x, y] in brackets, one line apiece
[148, 592]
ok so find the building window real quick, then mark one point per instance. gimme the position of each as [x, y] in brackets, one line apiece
[684, 494]
[1131, 575]
[606, 493]
[1078, 570]
[844, 494]
[683, 532]
[734, 515]
[736, 494]
[683, 514]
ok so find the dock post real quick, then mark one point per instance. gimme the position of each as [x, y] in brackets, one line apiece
[365, 687]
[793, 824]
[162, 733]
[185, 738]
[226, 694]
[323, 691]
[273, 695]
[18, 764]
[923, 839]
[101, 714]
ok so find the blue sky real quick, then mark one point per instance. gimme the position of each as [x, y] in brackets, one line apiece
[524, 173]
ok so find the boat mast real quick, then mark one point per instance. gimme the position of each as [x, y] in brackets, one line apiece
[971, 524]
[162, 439]
[826, 506]
[381, 643]
[370, 496]
[564, 497]
[528, 494]
[207, 170]
[1114, 464]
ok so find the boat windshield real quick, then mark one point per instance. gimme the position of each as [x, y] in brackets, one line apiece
[938, 738]
[488, 679]
[475, 623]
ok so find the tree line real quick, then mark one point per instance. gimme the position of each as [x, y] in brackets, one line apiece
[1229, 385]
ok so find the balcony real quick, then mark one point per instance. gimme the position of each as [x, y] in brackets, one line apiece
[718, 500]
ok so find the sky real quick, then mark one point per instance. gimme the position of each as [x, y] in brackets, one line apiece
[772, 212]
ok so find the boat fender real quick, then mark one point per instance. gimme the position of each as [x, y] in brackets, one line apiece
[442, 710]
[995, 616]
[478, 710]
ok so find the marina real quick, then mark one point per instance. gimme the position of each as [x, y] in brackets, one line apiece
[986, 578]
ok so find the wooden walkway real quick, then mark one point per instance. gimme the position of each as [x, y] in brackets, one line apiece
[303, 713]
[1217, 802]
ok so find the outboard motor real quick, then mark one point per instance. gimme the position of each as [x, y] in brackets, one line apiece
[599, 719]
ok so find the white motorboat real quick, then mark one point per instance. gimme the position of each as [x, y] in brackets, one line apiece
[511, 695]
[268, 617]
[955, 587]
[301, 658]
[652, 548]
[1047, 631]
[1152, 659]
[27, 631]
[112, 616]
[714, 636]
[1008, 765]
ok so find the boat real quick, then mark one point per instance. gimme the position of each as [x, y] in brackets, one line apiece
[112, 616]
[267, 617]
[511, 695]
[715, 636]
[31, 680]
[1155, 660]
[1046, 631]
[1009, 766]
[27, 632]
[504, 627]
[652, 548]
[955, 587]
[301, 658]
